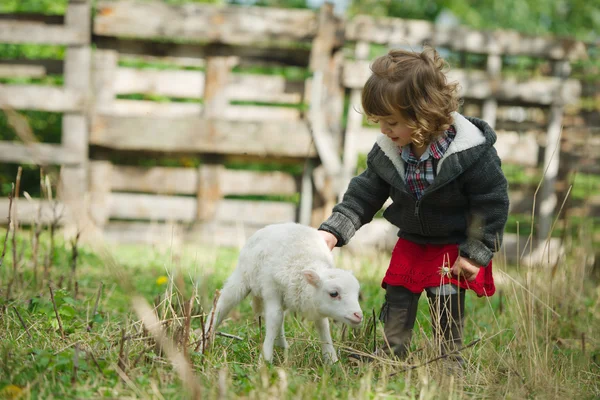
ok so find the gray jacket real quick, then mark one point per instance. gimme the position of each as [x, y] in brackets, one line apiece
[467, 203]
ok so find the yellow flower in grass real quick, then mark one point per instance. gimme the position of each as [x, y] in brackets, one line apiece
[161, 280]
[11, 392]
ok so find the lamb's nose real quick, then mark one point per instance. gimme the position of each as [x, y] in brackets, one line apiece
[358, 316]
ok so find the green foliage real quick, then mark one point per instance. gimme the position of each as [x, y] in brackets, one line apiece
[34, 6]
[31, 51]
[579, 18]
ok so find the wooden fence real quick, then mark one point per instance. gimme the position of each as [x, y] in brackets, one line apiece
[220, 110]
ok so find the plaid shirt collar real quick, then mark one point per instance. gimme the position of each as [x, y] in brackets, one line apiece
[436, 149]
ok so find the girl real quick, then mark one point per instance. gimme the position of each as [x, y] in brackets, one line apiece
[449, 194]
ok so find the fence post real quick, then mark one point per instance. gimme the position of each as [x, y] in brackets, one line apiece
[208, 192]
[100, 189]
[354, 126]
[547, 194]
[325, 109]
[75, 130]
[218, 71]
[490, 105]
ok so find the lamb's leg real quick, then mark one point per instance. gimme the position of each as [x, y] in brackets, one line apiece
[328, 350]
[273, 324]
[280, 340]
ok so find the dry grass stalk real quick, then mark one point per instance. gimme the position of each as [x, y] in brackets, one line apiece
[62, 332]
[95, 361]
[121, 362]
[74, 255]
[75, 364]
[10, 201]
[177, 358]
[15, 222]
[36, 232]
[23, 323]
[207, 335]
[374, 331]
[187, 310]
[91, 323]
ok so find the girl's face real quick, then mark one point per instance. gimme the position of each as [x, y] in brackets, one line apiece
[396, 129]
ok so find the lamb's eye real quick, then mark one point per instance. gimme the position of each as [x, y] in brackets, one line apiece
[334, 294]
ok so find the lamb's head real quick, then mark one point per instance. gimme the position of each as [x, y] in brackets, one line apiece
[336, 294]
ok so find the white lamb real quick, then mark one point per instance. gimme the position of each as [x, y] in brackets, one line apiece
[289, 267]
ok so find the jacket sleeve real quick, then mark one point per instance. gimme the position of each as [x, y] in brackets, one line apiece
[365, 195]
[487, 191]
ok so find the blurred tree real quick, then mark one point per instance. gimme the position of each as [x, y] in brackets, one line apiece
[272, 3]
[579, 18]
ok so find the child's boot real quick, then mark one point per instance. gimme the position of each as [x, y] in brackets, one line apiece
[398, 315]
[447, 307]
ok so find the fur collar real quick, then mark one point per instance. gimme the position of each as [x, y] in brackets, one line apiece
[467, 136]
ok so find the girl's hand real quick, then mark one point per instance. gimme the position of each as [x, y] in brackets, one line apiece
[329, 238]
[466, 268]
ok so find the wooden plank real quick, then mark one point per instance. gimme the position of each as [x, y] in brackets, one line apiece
[21, 71]
[160, 180]
[173, 208]
[38, 153]
[152, 207]
[260, 113]
[515, 148]
[165, 180]
[256, 183]
[365, 139]
[203, 22]
[143, 232]
[39, 33]
[249, 55]
[478, 85]
[171, 60]
[27, 211]
[172, 83]
[255, 212]
[265, 88]
[50, 66]
[141, 108]
[43, 98]
[396, 31]
[33, 17]
[190, 84]
[211, 234]
[275, 138]
[222, 233]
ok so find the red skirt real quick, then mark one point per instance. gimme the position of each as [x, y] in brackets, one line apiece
[419, 266]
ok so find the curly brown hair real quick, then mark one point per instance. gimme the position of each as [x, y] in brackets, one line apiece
[412, 86]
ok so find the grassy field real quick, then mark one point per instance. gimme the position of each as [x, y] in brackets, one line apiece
[538, 336]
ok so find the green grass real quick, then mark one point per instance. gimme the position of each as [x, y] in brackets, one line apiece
[527, 351]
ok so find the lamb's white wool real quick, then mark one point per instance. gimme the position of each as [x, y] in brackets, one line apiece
[289, 267]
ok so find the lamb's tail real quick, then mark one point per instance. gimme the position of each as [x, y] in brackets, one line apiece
[234, 291]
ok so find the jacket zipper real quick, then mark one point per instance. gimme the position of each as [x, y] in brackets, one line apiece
[418, 203]
[417, 208]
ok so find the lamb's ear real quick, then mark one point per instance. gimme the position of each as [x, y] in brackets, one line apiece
[312, 277]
